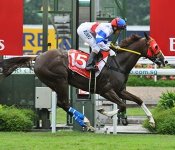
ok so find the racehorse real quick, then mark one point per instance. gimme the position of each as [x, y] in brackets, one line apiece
[52, 69]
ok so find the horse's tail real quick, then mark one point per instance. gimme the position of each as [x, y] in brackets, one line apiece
[7, 66]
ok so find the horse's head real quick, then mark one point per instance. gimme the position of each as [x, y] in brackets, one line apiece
[154, 52]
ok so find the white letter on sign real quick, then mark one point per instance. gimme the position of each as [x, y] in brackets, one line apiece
[2, 46]
[172, 44]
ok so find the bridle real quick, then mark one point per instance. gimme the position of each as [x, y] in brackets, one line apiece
[153, 51]
[153, 48]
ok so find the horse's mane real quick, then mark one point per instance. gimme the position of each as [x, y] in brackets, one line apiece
[129, 40]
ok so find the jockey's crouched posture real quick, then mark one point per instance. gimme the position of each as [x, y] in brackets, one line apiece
[97, 35]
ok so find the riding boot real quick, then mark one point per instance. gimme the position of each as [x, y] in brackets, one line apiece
[90, 65]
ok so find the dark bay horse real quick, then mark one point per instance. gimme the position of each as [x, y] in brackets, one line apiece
[52, 69]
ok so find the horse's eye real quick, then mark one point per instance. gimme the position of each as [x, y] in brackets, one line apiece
[156, 47]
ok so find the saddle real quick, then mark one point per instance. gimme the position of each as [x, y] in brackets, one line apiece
[77, 63]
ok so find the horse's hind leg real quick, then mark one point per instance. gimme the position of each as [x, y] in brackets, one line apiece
[60, 86]
[62, 94]
[128, 96]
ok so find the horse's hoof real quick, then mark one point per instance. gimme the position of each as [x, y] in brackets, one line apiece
[87, 122]
[112, 113]
[90, 129]
[109, 113]
[101, 110]
[125, 121]
[152, 124]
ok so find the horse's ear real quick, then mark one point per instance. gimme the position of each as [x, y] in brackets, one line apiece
[147, 37]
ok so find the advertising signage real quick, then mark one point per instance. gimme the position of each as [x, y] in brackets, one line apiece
[162, 25]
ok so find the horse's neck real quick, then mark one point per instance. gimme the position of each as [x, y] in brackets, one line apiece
[127, 61]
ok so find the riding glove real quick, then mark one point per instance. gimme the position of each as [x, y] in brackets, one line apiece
[112, 53]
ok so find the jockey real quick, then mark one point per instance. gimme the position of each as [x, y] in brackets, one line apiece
[97, 35]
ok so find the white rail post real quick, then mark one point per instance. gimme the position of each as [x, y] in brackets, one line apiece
[115, 120]
[54, 110]
[155, 76]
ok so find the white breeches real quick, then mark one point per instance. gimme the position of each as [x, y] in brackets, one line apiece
[87, 37]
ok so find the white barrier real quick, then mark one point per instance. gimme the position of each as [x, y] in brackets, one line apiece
[135, 71]
[141, 71]
[154, 71]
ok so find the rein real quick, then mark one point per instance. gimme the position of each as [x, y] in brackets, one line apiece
[112, 46]
[124, 49]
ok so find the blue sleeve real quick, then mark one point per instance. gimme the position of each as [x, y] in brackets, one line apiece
[101, 37]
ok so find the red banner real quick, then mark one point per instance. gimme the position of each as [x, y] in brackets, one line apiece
[11, 27]
[162, 25]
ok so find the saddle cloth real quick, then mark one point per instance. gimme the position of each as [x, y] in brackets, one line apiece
[77, 62]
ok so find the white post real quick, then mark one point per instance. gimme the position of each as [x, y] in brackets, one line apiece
[155, 76]
[54, 109]
[115, 120]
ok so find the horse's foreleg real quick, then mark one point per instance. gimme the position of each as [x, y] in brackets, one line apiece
[128, 96]
[113, 97]
[149, 115]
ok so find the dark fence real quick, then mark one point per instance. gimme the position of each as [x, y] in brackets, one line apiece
[18, 90]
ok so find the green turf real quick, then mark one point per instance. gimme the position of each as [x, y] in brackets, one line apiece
[142, 81]
[61, 116]
[68, 140]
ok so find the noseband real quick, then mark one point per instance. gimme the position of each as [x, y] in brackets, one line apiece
[153, 48]
[154, 52]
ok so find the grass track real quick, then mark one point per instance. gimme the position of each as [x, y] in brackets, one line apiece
[67, 140]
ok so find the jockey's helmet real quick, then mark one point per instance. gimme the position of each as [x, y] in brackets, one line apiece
[118, 23]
